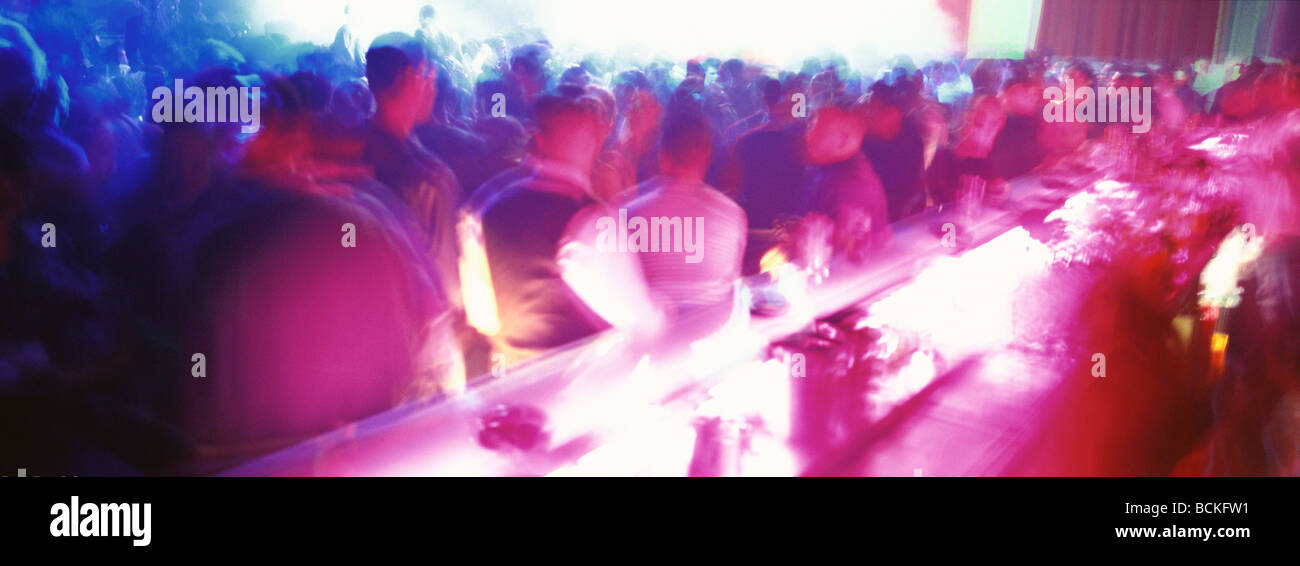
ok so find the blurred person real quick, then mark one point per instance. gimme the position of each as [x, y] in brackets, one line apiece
[1142, 418]
[302, 329]
[549, 293]
[443, 45]
[1184, 85]
[842, 185]
[1257, 404]
[346, 49]
[352, 105]
[575, 75]
[1016, 149]
[525, 79]
[735, 81]
[967, 158]
[986, 77]
[766, 172]
[505, 140]
[403, 80]
[1170, 113]
[463, 151]
[636, 131]
[771, 102]
[613, 173]
[896, 149]
[679, 192]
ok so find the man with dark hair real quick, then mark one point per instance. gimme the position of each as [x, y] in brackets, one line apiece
[700, 273]
[549, 289]
[403, 80]
[771, 104]
[464, 151]
[766, 168]
[1016, 150]
[526, 79]
[732, 77]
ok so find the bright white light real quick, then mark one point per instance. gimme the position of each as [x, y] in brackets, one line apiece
[781, 32]
[965, 304]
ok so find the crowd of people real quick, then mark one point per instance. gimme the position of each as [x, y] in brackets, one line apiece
[179, 296]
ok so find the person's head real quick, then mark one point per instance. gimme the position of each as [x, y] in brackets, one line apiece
[19, 93]
[732, 72]
[528, 65]
[686, 143]
[575, 75]
[983, 122]
[608, 103]
[884, 113]
[285, 134]
[1022, 95]
[1184, 76]
[351, 103]
[825, 86]
[426, 16]
[835, 133]
[571, 127]
[986, 77]
[694, 68]
[627, 83]
[1081, 74]
[314, 90]
[772, 95]
[402, 78]
[689, 91]
[25, 71]
[506, 138]
[485, 95]
[1277, 89]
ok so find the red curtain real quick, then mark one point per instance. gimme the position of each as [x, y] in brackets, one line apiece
[1129, 29]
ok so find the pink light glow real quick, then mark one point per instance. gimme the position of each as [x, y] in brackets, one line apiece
[964, 304]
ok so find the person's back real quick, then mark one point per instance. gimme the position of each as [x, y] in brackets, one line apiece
[771, 172]
[843, 186]
[487, 192]
[850, 187]
[522, 230]
[299, 331]
[1016, 150]
[464, 152]
[403, 80]
[524, 224]
[705, 257]
[895, 147]
[900, 162]
[412, 172]
[551, 284]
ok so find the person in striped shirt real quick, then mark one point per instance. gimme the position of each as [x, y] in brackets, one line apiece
[698, 265]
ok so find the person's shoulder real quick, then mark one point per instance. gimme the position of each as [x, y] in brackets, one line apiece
[379, 145]
[718, 197]
[754, 134]
[723, 204]
[448, 135]
[642, 193]
[524, 197]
